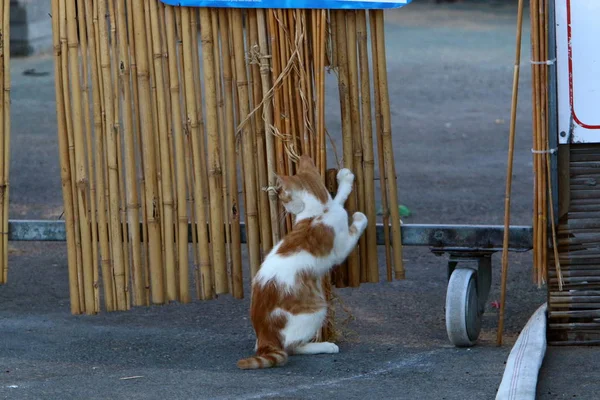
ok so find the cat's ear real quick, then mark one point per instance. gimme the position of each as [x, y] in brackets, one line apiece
[306, 163]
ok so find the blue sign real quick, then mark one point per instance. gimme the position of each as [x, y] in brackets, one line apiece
[313, 4]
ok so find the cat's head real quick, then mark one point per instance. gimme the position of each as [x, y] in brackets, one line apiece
[303, 191]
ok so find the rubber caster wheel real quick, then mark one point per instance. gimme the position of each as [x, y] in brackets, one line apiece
[463, 318]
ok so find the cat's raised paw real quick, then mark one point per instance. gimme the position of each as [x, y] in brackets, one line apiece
[344, 175]
[360, 221]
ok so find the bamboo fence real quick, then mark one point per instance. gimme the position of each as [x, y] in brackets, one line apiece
[174, 123]
[4, 134]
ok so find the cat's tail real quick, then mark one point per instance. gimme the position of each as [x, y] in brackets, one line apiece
[264, 358]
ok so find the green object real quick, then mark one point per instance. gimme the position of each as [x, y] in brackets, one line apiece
[402, 209]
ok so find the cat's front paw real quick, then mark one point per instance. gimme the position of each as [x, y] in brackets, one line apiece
[330, 348]
[346, 176]
[360, 221]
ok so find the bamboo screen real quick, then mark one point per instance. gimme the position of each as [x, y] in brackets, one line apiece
[4, 133]
[173, 123]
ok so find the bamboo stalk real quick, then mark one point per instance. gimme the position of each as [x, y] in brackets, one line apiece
[65, 169]
[368, 161]
[139, 153]
[345, 104]
[199, 178]
[71, 146]
[379, 135]
[286, 91]
[154, 80]
[248, 161]
[215, 174]
[539, 182]
[268, 118]
[167, 185]
[388, 148]
[150, 170]
[113, 171]
[4, 137]
[321, 92]
[99, 200]
[182, 223]
[276, 71]
[355, 119]
[132, 204]
[91, 211]
[81, 175]
[222, 142]
[230, 141]
[261, 157]
[511, 143]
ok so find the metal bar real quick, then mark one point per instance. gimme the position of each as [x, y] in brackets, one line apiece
[456, 237]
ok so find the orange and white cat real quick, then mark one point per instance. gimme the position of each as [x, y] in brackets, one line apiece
[288, 306]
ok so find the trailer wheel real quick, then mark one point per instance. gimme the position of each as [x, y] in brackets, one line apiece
[463, 318]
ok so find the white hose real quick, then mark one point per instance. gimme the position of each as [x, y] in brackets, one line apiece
[525, 360]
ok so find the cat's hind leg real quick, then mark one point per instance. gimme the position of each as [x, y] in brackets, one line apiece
[301, 328]
[317, 348]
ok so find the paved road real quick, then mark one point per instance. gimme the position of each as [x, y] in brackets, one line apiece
[450, 70]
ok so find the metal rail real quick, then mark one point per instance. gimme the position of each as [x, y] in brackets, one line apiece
[454, 237]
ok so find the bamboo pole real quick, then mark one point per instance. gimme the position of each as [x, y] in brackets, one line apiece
[156, 135]
[133, 205]
[261, 156]
[71, 146]
[199, 178]
[3, 162]
[176, 112]
[214, 162]
[355, 122]
[321, 93]
[346, 110]
[511, 143]
[91, 206]
[7, 133]
[150, 171]
[139, 156]
[218, 62]
[276, 71]
[248, 161]
[81, 174]
[388, 150]
[167, 185]
[230, 141]
[378, 130]
[113, 172]
[65, 169]
[265, 78]
[99, 199]
[368, 161]
[117, 132]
